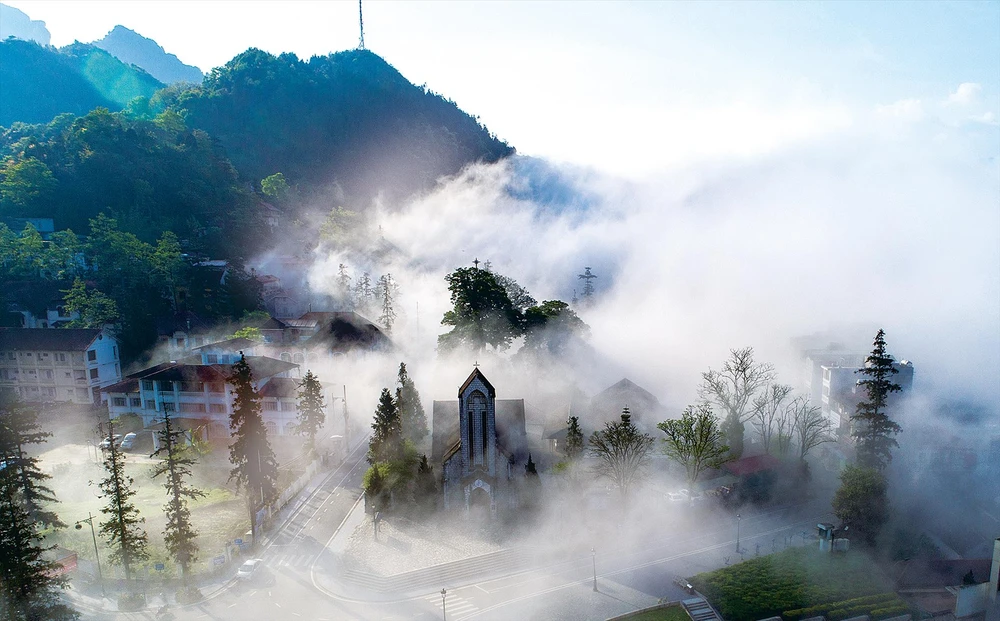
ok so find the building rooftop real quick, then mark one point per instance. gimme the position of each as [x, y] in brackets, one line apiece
[48, 339]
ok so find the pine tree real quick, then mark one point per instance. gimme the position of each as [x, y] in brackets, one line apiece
[19, 425]
[179, 534]
[386, 441]
[29, 588]
[386, 291]
[873, 429]
[254, 465]
[123, 529]
[426, 485]
[363, 294]
[344, 285]
[411, 412]
[311, 414]
[574, 438]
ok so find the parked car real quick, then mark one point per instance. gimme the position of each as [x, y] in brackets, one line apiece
[681, 495]
[106, 442]
[254, 572]
[127, 442]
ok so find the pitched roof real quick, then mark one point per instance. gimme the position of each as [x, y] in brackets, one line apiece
[472, 377]
[261, 367]
[280, 387]
[230, 345]
[511, 435]
[47, 339]
[344, 331]
[127, 385]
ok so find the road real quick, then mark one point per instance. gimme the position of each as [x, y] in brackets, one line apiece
[626, 579]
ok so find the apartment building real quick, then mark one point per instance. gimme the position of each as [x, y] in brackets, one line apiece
[197, 393]
[58, 365]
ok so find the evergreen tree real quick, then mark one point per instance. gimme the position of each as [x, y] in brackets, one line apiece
[386, 291]
[363, 294]
[574, 438]
[29, 588]
[19, 428]
[873, 429]
[123, 529]
[529, 468]
[387, 440]
[311, 414]
[344, 286]
[179, 534]
[254, 465]
[411, 412]
[426, 486]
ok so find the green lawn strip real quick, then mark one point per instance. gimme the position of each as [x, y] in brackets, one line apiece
[672, 613]
[792, 580]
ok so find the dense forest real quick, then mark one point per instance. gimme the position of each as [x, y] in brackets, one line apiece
[145, 182]
[348, 117]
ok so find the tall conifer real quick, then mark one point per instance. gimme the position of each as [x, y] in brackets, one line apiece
[873, 429]
[123, 529]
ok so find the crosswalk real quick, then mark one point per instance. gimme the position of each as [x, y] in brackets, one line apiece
[456, 607]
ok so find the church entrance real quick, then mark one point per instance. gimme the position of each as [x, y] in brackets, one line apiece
[479, 505]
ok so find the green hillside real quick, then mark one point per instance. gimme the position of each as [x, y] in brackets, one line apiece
[37, 83]
[348, 117]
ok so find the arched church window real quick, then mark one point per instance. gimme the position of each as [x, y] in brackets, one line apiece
[477, 422]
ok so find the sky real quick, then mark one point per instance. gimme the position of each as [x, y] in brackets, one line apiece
[627, 88]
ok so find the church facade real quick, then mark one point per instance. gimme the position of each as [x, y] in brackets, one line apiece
[480, 445]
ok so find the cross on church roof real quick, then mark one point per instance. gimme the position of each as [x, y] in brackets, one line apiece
[476, 364]
[476, 262]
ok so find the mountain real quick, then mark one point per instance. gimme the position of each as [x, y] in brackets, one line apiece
[349, 118]
[42, 82]
[132, 48]
[16, 23]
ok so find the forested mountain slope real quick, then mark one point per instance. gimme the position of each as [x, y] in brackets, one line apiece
[348, 117]
[37, 83]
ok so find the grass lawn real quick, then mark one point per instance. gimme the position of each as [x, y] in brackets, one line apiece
[791, 580]
[673, 613]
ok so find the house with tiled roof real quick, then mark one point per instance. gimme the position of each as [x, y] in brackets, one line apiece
[58, 365]
[199, 396]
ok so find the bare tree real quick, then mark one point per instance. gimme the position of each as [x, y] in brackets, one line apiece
[811, 428]
[622, 452]
[695, 441]
[767, 413]
[733, 389]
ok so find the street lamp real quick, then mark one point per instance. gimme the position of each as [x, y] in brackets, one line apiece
[738, 533]
[78, 525]
[444, 611]
[593, 555]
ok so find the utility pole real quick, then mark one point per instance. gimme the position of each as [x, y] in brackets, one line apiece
[97, 555]
[588, 287]
[361, 23]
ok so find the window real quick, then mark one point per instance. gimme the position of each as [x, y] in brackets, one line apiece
[68, 375]
[211, 359]
[272, 429]
[47, 374]
[115, 349]
[216, 387]
[49, 392]
[147, 384]
[80, 375]
[286, 357]
[93, 374]
[77, 358]
[150, 404]
[81, 394]
[135, 402]
[61, 358]
[192, 407]
[192, 386]
[119, 402]
[91, 355]
[180, 342]
[216, 408]
[298, 358]
[169, 407]
[270, 406]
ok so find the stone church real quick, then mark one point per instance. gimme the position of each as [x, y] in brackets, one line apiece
[480, 445]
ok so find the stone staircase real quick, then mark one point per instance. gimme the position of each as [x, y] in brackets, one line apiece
[699, 610]
[456, 573]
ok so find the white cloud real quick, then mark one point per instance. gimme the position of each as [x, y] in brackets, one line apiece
[904, 109]
[987, 117]
[967, 93]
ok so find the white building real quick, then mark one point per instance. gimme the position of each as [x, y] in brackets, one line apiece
[52, 365]
[198, 390]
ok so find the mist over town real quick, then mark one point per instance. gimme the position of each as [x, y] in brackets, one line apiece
[293, 336]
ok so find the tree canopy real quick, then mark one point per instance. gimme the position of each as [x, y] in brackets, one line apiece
[873, 429]
[482, 314]
[695, 441]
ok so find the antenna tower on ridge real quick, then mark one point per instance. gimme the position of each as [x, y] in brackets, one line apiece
[361, 23]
